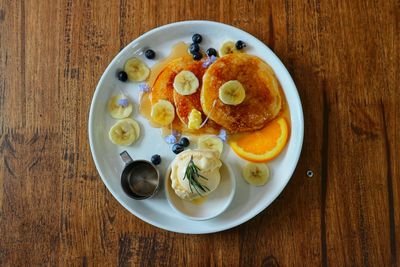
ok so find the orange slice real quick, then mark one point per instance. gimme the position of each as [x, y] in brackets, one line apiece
[262, 145]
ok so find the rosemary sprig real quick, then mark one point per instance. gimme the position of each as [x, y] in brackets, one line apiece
[192, 174]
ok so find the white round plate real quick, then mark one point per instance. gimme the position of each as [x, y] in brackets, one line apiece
[248, 200]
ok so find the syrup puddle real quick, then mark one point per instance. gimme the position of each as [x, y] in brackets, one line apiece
[199, 201]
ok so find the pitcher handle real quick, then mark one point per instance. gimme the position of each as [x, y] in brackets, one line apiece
[125, 157]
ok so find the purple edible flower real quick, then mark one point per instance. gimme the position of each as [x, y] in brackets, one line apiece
[177, 134]
[123, 102]
[173, 137]
[170, 139]
[209, 61]
[144, 87]
[222, 135]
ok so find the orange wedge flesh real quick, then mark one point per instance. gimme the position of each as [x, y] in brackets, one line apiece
[262, 145]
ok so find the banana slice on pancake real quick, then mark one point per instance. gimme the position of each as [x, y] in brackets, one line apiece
[186, 83]
[162, 112]
[232, 93]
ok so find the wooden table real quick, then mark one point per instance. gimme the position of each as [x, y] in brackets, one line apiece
[344, 58]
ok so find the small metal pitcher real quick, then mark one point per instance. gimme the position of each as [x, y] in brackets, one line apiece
[140, 179]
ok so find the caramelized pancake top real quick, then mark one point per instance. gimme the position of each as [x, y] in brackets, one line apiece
[185, 103]
[262, 102]
[163, 86]
[163, 89]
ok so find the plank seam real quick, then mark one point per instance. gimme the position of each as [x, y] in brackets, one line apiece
[22, 63]
[324, 174]
[389, 177]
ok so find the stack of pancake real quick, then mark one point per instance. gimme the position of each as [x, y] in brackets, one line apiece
[262, 103]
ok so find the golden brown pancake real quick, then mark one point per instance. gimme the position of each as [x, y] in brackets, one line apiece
[263, 99]
[163, 88]
[185, 103]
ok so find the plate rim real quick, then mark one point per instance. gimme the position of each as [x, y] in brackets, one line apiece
[251, 214]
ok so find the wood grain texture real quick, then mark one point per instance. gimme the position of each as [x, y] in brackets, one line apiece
[344, 58]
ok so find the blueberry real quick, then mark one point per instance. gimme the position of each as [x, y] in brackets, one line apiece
[197, 56]
[150, 54]
[177, 148]
[196, 38]
[184, 142]
[211, 52]
[240, 45]
[194, 48]
[156, 159]
[122, 76]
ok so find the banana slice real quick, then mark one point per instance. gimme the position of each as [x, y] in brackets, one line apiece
[124, 132]
[210, 142]
[232, 93]
[162, 112]
[227, 48]
[118, 107]
[134, 124]
[194, 119]
[256, 173]
[137, 71]
[186, 83]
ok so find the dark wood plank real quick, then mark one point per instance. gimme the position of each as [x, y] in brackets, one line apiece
[343, 56]
[358, 75]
